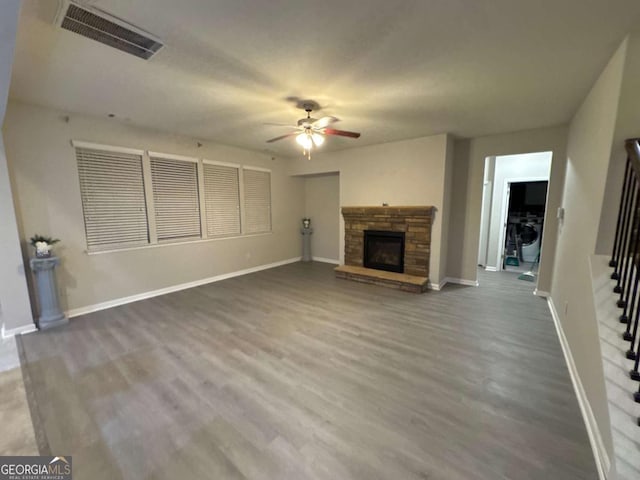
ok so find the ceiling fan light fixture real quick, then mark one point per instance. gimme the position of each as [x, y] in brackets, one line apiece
[304, 140]
[318, 139]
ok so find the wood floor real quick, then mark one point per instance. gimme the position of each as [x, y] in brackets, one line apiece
[290, 373]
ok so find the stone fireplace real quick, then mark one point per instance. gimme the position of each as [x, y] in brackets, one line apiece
[387, 246]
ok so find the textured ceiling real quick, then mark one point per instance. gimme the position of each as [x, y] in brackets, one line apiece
[389, 69]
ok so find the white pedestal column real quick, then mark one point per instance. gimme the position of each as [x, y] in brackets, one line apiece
[50, 313]
[306, 244]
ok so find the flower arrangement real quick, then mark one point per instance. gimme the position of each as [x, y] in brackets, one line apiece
[43, 245]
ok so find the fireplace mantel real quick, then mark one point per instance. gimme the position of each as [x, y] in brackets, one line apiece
[414, 221]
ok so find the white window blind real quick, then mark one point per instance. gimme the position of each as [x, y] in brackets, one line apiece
[222, 199]
[175, 196]
[257, 200]
[113, 201]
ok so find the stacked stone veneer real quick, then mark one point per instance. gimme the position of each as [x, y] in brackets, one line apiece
[414, 221]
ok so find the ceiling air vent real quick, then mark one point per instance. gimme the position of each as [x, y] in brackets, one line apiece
[104, 28]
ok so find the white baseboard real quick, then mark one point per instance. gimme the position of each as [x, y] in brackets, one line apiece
[541, 293]
[18, 330]
[438, 286]
[603, 463]
[491, 269]
[74, 312]
[462, 281]
[457, 281]
[326, 260]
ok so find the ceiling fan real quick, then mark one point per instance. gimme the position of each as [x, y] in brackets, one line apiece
[310, 132]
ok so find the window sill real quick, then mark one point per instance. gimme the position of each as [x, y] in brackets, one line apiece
[173, 244]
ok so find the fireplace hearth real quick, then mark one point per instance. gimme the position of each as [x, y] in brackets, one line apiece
[384, 250]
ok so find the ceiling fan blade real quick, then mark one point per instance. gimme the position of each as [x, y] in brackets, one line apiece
[282, 137]
[324, 122]
[342, 133]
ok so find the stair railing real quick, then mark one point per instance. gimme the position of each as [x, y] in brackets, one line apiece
[625, 257]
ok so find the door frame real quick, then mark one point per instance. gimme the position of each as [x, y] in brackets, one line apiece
[504, 210]
[485, 223]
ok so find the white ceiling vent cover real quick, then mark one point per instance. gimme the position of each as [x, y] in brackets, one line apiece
[104, 28]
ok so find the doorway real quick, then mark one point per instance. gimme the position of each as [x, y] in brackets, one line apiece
[523, 222]
[513, 211]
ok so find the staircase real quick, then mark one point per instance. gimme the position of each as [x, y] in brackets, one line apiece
[619, 318]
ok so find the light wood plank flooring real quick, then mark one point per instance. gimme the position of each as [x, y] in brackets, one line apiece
[291, 373]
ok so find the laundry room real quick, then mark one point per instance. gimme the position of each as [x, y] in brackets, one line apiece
[513, 209]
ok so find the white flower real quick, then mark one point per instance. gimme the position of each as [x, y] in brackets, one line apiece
[43, 247]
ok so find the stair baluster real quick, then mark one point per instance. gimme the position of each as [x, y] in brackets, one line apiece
[633, 271]
[623, 217]
[618, 238]
[632, 353]
[633, 373]
[625, 258]
[626, 250]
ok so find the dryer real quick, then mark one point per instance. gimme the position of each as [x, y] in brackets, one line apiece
[530, 236]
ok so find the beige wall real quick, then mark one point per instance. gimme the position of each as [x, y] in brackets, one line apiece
[47, 197]
[322, 205]
[468, 182]
[588, 149]
[15, 311]
[409, 172]
[627, 126]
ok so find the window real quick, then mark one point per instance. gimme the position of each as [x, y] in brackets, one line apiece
[113, 200]
[134, 198]
[222, 199]
[257, 200]
[175, 198]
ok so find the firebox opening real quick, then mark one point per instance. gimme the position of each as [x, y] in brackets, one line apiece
[384, 250]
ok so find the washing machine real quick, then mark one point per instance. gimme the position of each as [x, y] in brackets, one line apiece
[530, 236]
